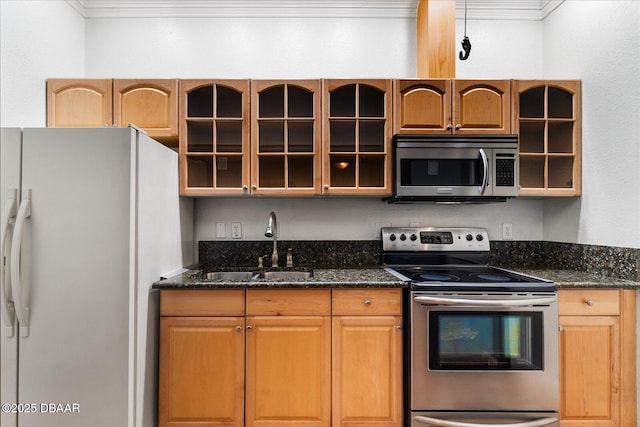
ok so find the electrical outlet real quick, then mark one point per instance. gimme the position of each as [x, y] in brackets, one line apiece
[236, 230]
[507, 231]
[221, 230]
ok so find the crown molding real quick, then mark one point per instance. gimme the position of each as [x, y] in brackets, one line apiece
[476, 9]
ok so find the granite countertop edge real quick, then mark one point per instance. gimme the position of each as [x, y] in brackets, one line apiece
[322, 278]
[377, 277]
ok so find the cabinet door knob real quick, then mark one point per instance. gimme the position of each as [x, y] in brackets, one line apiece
[367, 302]
[238, 328]
[253, 187]
[245, 188]
[560, 328]
[589, 302]
[326, 186]
[249, 327]
[398, 327]
[458, 126]
[449, 126]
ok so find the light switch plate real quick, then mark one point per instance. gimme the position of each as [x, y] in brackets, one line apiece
[221, 230]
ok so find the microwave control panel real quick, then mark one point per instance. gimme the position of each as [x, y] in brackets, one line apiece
[422, 239]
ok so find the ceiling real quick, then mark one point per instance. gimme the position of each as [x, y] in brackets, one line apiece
[476, 9]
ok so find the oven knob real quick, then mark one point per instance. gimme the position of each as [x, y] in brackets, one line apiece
[479, 238]
[392, 237]
[403, 237]
[413, 237]
[469, 237]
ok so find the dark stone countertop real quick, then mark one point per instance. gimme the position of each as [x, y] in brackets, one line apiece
[322, 278]
[566, 279]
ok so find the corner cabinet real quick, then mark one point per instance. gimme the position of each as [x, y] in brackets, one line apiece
[547, 118]
[442, 106]
[357, 137]
[269, 357]
[214, 144]
[285, 141]
[597, 357]
[151, 104]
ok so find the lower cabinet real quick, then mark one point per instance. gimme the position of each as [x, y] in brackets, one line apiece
[280, 357]
[597, 357]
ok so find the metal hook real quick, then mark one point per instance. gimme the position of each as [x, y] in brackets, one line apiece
[466, 45]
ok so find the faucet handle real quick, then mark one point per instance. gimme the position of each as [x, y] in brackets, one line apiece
[289, 259]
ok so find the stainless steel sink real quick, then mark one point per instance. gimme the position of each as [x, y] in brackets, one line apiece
[231, 275]
[292, 275]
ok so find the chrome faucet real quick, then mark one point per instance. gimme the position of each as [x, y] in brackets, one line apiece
[272, 231]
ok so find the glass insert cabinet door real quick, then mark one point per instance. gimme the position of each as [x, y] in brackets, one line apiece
[286, 143]
[214, 146]
[357, 136]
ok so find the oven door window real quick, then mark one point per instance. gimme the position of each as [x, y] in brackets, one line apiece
[485, 341]
[441, 172]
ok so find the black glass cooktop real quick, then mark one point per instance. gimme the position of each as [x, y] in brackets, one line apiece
[471, 277]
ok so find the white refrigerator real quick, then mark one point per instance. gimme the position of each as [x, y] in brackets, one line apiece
[90, 218]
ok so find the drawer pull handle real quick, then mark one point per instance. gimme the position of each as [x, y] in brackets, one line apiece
[367, 302]
[589, 302]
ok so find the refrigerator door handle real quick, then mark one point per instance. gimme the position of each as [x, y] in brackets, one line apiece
[8, 312]
[22, 310]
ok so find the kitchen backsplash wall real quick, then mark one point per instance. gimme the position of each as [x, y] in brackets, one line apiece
[352, 218]
[623, 263]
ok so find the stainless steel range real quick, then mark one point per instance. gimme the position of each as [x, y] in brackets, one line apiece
[483, 341]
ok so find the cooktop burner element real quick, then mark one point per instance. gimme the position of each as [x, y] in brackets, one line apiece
[450, 259]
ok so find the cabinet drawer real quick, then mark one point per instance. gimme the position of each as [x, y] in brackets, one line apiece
[196, 302]
[367, 302]
[581, 302]
[289, 302]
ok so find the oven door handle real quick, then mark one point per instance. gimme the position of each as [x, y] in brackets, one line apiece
[445, 423]
[467, 302]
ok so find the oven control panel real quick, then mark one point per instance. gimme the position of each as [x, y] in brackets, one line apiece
[422, 239]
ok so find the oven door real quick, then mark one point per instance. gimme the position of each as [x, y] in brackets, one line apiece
[460, 172]
[484, 352]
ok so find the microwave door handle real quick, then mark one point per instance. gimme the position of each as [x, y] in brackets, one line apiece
[464, 302]
[485, 172]
[437, 422]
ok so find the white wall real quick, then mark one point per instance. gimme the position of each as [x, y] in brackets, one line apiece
[597, 41]
[38, 39]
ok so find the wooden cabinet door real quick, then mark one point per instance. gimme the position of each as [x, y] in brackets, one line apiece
[357, 126]
[286, 144]
[214, 150]
[422, 106]
[367, 371]
[149, 104]
[590, 371]
[201, 371]
[79, 103]
[288, 371]
[482, 106]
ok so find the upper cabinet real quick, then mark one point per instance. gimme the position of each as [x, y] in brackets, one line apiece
[547, 120]
[214, 143]
[442, 106]
[285, 137]
[357, 136]
[151, 104]
[79, 103]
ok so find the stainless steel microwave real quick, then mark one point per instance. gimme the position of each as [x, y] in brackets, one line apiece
[455, 168]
